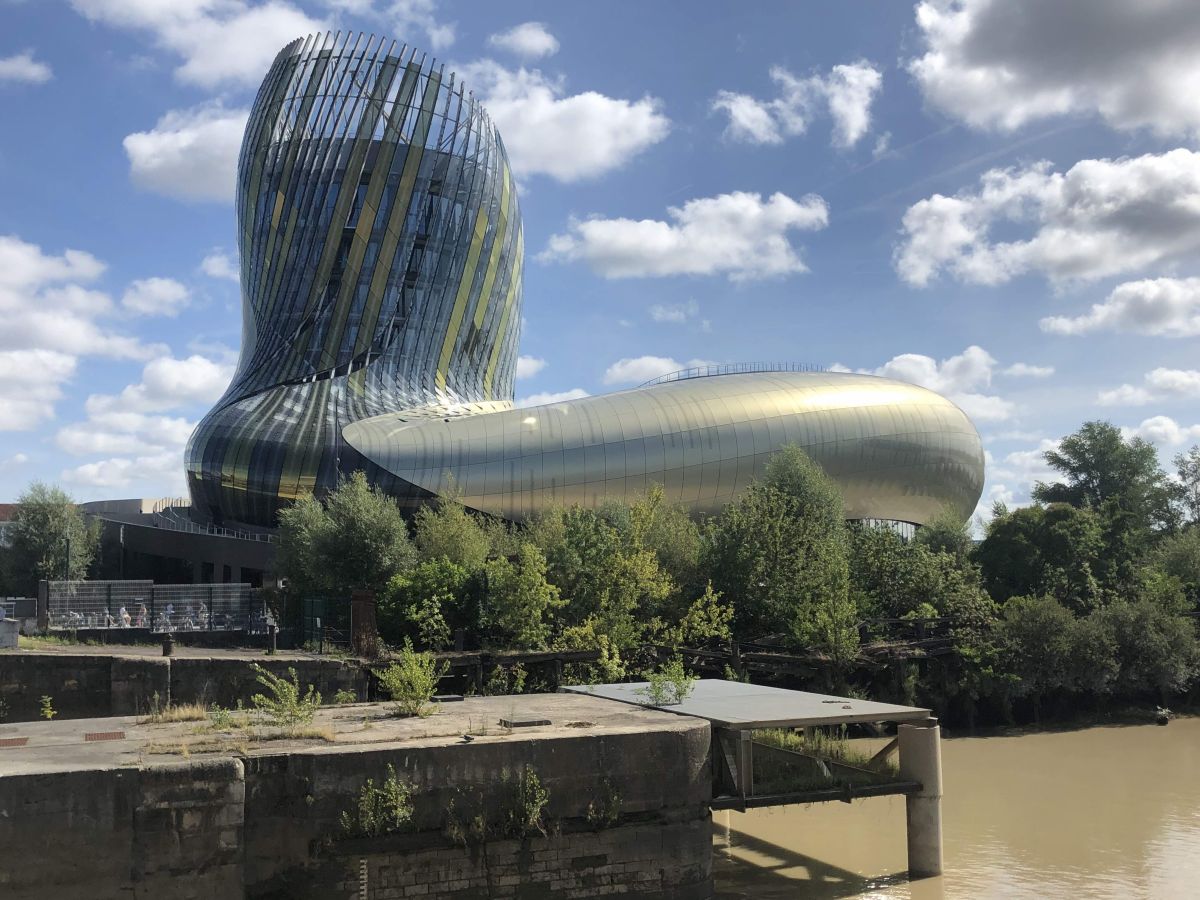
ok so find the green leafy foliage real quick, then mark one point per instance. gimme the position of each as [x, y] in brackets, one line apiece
[284, 706]
[525, 812]
[520, 600]
[781, 549]
[354, 539]
[669, 685]
[412, 680]
[47, 707]
[383, 810]
[46, 527]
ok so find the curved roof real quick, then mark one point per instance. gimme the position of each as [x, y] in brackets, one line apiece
[897, 451]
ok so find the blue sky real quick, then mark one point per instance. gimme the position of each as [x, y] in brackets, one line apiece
[982, 197]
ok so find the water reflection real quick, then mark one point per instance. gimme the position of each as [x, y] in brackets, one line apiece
[1110, 812]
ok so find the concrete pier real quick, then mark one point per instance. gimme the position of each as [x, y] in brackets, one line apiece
[921, 760]
[92, 809]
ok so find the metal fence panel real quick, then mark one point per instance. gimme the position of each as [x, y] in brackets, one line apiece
[75, 605]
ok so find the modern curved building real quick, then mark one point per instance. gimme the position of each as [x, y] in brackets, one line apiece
[381, 251]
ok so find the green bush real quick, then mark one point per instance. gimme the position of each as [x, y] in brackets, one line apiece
[284, 707]
[382, 810]
[412, 680]
[670, 685]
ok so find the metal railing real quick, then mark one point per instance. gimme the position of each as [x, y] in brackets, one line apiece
[733, 369]
[157, 608]
[168, 517]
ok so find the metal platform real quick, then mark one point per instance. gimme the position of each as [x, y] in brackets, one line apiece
[747, 707]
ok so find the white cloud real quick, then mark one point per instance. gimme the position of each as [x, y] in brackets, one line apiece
[677, 313]
[219, 41]
[1165, 307]
[167, 383]
[24, 265]
[959, 378]
[1125, 395]
[530, 40]
[49, 321]
[1163, 430]
[568, 137]
[1160, 384]
[24, 68]
[143, 446]
[155, 297]
[640, 369]
[30, 382]
[220, 264]
[528, 366]
[162, 473]
[1021, 469]
[739, 235]
[544, 398]
[846, 93]
[1003, 63]
[1025, 370]
[191, 154]
[1102, 217]
[11, 462]
[402, 17]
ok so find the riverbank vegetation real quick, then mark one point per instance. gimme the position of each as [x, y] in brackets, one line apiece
[1083, 599]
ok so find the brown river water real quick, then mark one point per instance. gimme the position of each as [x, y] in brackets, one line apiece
[1104, 812]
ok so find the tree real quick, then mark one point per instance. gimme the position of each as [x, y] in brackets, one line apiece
[947, 534]
[608, 577]
[1057, 550]
[520, 600]
[1188, 467]
[355, 539]
[1179, 556]
[890, 576]
[1155, 647]
[779, 552]
[50, 537]
[1048, 651]
[1100, 467]
[427, 602]
[447, 530]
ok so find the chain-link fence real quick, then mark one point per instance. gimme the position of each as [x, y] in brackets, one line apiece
[78, 605]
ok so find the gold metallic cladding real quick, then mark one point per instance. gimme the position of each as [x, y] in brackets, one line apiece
[514, 288]
[897, 451]
[464, 291]
[498, 241]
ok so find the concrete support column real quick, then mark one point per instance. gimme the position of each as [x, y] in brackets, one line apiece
[745, 763]
[921, 760]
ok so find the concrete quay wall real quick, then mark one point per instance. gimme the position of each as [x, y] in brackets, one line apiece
[86, 685]
[266, 825]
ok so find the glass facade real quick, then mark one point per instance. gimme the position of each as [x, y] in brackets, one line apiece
[381, 271]
[381, 254]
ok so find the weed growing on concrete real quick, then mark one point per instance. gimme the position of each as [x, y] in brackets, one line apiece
[605, 809]
[3, 710]
[183, 712]
[525, 811]
[48, 710]
[222, 719]
[341, 698]
[285, 708]
[382, 810]
[670, 685]
[412, 680]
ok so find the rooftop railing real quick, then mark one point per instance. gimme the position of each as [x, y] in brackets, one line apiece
[733, 369]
